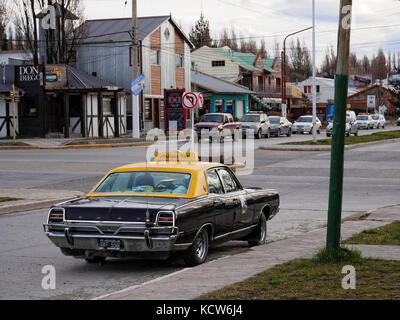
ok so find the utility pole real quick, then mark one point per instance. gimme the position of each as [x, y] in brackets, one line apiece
[135, 49]
[339, 125]
[314, 81]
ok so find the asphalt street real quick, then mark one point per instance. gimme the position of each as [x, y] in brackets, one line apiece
[372, 180]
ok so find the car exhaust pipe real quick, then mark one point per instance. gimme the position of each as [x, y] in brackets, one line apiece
[68, 236]
[148, 239]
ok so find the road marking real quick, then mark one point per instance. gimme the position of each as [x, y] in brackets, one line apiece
[141, 285]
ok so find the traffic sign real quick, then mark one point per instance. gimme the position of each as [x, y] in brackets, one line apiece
[201, 100]
[190, 100]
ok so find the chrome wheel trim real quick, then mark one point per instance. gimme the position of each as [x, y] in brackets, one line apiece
[200, 246]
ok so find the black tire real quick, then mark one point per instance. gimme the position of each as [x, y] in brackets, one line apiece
[95, 259]
[268, 135]
[197, 253]
[289, 134]
[260, 233]
[279, 133]
[356, 134]
[259, 134]
[328, 135]
[348, 134]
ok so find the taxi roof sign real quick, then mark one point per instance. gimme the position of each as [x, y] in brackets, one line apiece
[177, 156]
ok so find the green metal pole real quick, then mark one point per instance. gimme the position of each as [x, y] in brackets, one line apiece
[339, 126]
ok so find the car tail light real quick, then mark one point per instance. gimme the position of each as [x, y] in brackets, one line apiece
[166, 219]
[56, 216]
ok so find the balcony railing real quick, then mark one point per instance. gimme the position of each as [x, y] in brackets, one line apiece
[271, 90]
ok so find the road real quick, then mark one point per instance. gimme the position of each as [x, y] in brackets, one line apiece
[372, 179]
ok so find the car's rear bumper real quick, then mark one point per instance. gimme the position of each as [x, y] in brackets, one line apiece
[142, 241]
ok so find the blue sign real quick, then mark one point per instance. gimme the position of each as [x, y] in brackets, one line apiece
[137, 85]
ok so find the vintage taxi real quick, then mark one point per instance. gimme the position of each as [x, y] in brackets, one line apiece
[174, 203]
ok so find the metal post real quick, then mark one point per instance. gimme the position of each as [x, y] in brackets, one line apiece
[135, 99]
[314, 109]
[339, 125]
[13, 104]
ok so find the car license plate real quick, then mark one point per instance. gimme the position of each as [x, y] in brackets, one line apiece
[114, 245]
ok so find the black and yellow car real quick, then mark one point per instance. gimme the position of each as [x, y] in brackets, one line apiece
[151, 209]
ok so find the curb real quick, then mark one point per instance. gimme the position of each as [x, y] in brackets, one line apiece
[324, 148]
[92, 146]
[33, 205]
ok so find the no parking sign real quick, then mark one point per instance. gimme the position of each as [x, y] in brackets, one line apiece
[191, 100]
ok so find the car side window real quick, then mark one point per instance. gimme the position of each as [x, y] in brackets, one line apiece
[213, 182]
[228, 181]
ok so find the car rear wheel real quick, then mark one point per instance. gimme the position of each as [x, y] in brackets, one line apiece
[289, 134]
[198, 252]
[259, 134]
[260, 233]
[268, 135]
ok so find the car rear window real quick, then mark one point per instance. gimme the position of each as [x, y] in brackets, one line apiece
[146, 182]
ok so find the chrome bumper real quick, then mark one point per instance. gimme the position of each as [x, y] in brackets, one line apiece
[133, 240]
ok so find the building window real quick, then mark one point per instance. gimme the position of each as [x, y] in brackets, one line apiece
[148, 112]
[155, 57]
[220, 63]
[107, 111]
[307, 89]
[219, 106]
[180, 61]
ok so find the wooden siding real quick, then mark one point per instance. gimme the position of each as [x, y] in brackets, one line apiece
[155, 40]
[180, 78]
[179, 43]
[156, 80]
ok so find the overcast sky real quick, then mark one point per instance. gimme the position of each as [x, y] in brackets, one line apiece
[273, 19]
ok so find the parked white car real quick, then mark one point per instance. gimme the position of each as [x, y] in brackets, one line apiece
[305, 124]
[365, 121]
[256, 123]
[379, 121]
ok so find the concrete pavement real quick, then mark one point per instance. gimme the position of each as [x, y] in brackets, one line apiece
[34, 198]
[191, 283]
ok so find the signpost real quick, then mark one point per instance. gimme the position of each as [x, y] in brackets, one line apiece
[137, 86]
[371, 102]
[14, 98]
[190, 100]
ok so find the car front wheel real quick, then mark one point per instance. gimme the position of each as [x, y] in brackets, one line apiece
[198, 252]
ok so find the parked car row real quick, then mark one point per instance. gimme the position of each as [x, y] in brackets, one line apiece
[222, 125]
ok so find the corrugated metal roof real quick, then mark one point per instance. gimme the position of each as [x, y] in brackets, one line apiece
[217, 85]
[246, 60]
[108, 30]
[81, 80]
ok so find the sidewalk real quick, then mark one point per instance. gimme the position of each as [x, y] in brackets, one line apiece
[73, 143]
[191, 283]
[34, 199]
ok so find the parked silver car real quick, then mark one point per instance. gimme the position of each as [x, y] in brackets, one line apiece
[351, 128]
[280, 126]
[256, 123]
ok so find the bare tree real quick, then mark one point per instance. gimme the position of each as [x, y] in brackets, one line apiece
[59, 43]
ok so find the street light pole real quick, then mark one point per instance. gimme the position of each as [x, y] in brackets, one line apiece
[283, 65]
[314, 108]
[135, 99]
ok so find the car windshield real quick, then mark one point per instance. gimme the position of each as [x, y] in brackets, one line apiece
[362, 118]
[212, 118]
[251, 118]
[304, 119]
[375, 117]
[274, 120]
[146, 182]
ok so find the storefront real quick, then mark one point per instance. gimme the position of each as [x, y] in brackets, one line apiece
[61, 101]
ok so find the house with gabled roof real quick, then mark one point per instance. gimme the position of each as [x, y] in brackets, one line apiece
[164, 59]
[262, 76]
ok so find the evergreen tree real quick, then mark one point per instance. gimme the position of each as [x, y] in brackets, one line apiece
[200, 34]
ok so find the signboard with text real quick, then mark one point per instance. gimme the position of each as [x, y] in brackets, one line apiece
[174, 112]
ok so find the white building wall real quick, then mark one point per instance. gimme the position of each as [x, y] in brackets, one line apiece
[203, 58]
[3, 131]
